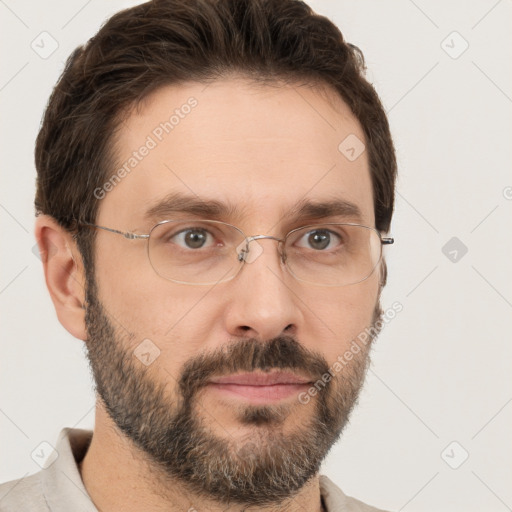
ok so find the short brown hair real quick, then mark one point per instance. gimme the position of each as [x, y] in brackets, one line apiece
[164, 42]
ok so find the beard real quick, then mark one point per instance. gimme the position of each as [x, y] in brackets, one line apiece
[175, 441]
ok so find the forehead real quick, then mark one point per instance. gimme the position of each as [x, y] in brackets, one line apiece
[258, 149]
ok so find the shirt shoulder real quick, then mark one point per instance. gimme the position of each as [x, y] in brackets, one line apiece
[23, 494]
[337, 501]
[58, 487]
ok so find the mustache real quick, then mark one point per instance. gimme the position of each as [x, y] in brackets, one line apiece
[248, 355]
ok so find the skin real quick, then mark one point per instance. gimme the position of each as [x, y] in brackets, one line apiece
[245, 144]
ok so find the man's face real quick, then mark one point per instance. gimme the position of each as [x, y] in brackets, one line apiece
[261, 149]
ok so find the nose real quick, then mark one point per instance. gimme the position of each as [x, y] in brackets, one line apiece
[263, 303]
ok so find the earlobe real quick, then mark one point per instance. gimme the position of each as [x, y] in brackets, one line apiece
[64, 274]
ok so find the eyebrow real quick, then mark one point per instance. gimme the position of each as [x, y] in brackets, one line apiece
[305, 209]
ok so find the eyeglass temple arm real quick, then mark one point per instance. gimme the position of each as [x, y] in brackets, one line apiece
[130, 236]
[387, 241]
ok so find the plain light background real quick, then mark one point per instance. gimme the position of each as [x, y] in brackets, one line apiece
[439, 389]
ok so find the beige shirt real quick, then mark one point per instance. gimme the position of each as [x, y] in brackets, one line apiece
[59, 487]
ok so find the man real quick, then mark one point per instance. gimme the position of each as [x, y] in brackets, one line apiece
[214, 182]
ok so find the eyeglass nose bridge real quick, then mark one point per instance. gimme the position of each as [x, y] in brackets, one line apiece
[242, 255]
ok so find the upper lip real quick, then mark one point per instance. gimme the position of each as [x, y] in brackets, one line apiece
[261, 379]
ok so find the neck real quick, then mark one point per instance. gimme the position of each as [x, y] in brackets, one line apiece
[119, 478]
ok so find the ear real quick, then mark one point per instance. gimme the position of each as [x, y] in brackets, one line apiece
[64, 274]
[383, 273]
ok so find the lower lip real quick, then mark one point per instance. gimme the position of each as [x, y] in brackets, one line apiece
[259, 394]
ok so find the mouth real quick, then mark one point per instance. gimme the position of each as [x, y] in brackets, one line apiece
[259, 388]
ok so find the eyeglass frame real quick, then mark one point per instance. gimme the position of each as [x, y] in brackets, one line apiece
[248, 239]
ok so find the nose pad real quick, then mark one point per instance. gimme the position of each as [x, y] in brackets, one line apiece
[242, 250]
[248, 253]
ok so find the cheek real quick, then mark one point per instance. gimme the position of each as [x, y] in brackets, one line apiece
[176, 319]
[141, 301]
[335, 317]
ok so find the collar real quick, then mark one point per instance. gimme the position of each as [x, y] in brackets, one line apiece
[62, 484]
